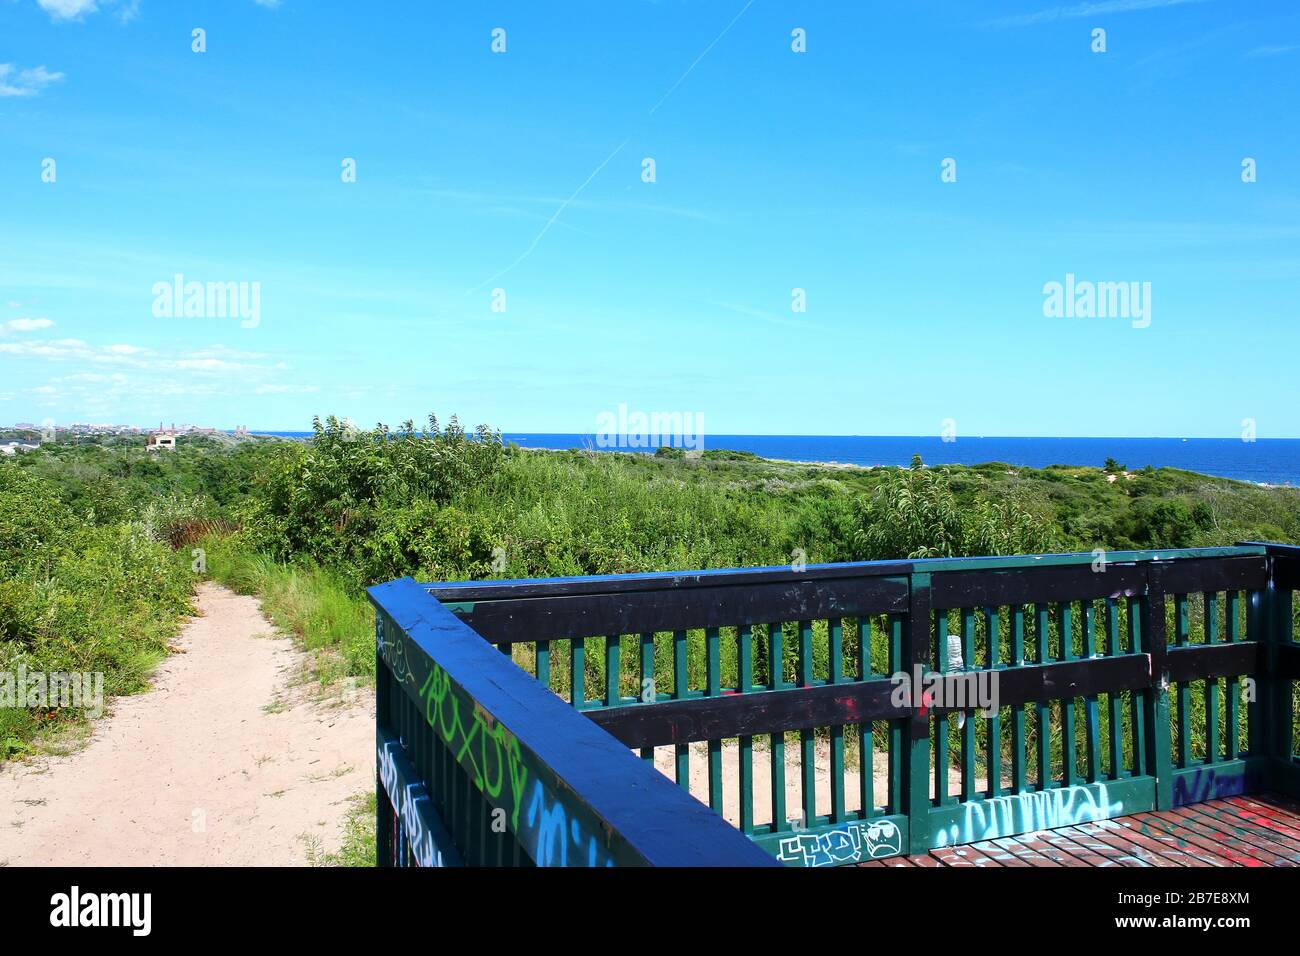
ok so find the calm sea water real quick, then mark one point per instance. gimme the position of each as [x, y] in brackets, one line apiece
[1272, 461]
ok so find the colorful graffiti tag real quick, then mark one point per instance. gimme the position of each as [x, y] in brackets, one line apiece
[424, 838]
[485, 748]
[1027, 812]
[556, 831]
[553, 830]
[1207, 784]
[850, 843]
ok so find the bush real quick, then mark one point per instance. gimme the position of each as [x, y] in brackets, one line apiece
[77, 597]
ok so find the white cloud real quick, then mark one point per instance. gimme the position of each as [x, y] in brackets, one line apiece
[25, 325]
[1095, 8]
[65, 350]
[59, 10]
[269, 4]
[25, 82]
[68, 9]
[102, 378]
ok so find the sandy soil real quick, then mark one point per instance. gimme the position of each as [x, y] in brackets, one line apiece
[225, 761]
[698, 765]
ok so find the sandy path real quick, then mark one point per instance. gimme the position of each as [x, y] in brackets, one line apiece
[698, 766]
[222, 762]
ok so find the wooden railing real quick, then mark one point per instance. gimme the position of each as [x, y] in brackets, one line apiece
[1112, 684]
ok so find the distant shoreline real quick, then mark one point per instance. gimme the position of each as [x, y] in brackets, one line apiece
[1268, 462]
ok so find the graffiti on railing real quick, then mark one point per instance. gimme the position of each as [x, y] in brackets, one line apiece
[407, 799]
[1025, 812]
[555, 830]
[850, 843]
[496, 747]
[1207, 784]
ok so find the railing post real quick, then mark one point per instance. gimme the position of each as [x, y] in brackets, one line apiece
[1283, 703]
[1259, 627]
[916, 773]
[1271, 715]
[1155, 699]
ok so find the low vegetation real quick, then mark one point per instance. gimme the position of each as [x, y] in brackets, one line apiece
[100, 540]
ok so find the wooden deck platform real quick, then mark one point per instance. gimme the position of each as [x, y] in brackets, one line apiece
[1260, 830]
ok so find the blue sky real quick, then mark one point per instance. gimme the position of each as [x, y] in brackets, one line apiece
[775, 170]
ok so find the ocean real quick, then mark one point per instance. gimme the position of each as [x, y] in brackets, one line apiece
[1274, 461]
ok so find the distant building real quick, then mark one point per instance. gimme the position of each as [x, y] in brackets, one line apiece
[162, 440]
[13, 447]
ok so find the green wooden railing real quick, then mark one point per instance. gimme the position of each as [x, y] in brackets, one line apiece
[1125, 682]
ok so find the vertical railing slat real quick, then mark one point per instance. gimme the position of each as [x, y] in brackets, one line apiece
[1211, 599]
[1092, 722]
[1044, 708]
[1114, 703]
[713, 683]
[897, 663]
[613, 669]
[968, 740]
[1136, 641]
[578, 671]
[1232, 717]
[866, 759]
[940, 720]
[1018, 755]
[835, 635]
[681, 752]
[745, 678]
[1069, 756]
[1184, 691]
[993, 630]
[542, 662]
[776, 651]
[807, 738]
[647, 692]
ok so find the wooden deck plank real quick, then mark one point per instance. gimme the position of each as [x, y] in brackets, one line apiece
[1281, 801]
[1261, 814]
[1237, 838]
[1026, 851]
[1115, 838]
[1066, 843]
[1000, 853]
[1191, 842]
[1172, 841]
[925, 860]
[1110, 854]
[963, 856]
[1036, 842]
[1231, 814]
[1166, 848]
[1235, 828]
